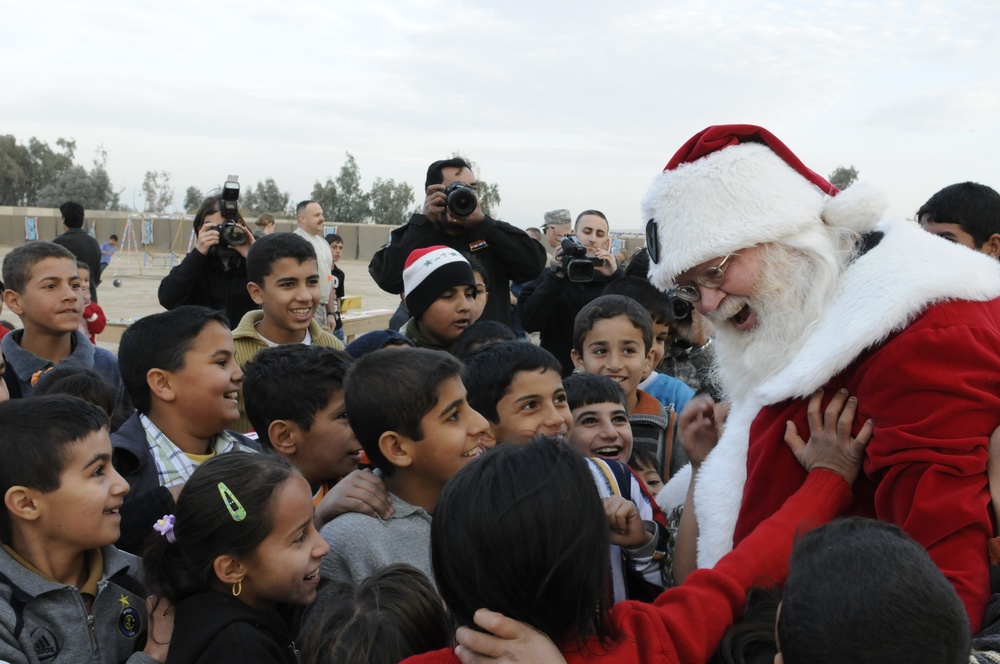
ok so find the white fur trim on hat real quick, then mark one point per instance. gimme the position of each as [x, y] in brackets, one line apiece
[738, 197]
[430, 271]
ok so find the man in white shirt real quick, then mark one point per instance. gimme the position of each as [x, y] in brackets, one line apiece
[310, 216]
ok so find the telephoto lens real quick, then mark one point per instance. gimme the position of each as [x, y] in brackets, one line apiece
[461, 198]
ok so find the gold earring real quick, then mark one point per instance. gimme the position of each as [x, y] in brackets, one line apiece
[237, 588]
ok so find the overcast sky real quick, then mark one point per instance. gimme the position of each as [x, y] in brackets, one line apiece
[562, 104]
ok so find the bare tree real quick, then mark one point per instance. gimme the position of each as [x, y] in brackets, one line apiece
[159, 193]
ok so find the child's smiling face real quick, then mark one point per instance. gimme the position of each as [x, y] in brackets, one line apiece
[534, 404]
[82, 514]
[614, 347]
[285, 566]
[602, 430]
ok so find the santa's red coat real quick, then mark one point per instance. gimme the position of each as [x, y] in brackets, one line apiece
[933, 391]
[914, 332]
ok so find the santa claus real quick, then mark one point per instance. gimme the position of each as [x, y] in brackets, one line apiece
[806, 287]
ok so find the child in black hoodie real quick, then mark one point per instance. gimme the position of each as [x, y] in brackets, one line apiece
[240, 545]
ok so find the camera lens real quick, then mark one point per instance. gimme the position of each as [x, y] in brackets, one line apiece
[580, 270]
[233, 234]
[682, 308]
[462, 202]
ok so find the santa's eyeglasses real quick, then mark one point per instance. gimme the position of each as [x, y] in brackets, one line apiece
[711, 277]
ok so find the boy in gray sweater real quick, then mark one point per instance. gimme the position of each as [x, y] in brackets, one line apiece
[408, 409]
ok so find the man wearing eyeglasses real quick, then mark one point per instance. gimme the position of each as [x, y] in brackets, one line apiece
[507, 252]
[807, 288]
[557, 224]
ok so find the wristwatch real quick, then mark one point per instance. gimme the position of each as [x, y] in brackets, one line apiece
[700, 349]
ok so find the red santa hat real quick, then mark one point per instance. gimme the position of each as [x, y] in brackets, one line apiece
[736, 186]
[430, 271]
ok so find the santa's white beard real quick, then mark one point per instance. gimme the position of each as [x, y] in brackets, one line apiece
[789, 297]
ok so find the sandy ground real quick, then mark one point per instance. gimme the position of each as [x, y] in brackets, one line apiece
[140, 277]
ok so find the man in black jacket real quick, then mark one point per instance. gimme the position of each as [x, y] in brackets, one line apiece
[78, 241]
[549, 304]
[507, 252]
[211, 276]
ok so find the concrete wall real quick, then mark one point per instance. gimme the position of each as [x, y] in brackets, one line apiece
[173, 232]
[170, 232]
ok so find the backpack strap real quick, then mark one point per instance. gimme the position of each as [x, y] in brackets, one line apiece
[622, 478]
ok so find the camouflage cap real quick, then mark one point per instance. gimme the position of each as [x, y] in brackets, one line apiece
[557, 218]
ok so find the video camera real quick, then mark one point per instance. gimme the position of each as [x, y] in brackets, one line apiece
[577, 264]
[462, 200]
[231, 231]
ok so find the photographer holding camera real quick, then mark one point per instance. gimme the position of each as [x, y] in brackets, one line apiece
[214, 273]
[581, 267]
[452, 217]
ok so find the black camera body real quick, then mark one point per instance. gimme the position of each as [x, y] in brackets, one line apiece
[577, 264]
[461, 199]
[231, 232]
[681, 308]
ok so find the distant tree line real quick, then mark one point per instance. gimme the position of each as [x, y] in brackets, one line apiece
[342, 198]
[36, 175]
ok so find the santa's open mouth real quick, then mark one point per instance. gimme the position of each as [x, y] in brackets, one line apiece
[741, 316]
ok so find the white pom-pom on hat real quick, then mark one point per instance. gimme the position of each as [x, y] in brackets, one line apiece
[859, 207]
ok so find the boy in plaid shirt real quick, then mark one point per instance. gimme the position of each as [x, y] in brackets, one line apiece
[180, 370]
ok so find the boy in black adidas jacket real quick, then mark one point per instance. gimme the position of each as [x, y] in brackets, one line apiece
[67, 595]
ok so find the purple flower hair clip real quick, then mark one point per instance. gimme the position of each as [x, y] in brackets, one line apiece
[165, 526]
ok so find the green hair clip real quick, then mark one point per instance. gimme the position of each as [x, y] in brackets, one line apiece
[232, 503]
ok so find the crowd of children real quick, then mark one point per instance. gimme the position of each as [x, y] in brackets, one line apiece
[264, 495]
